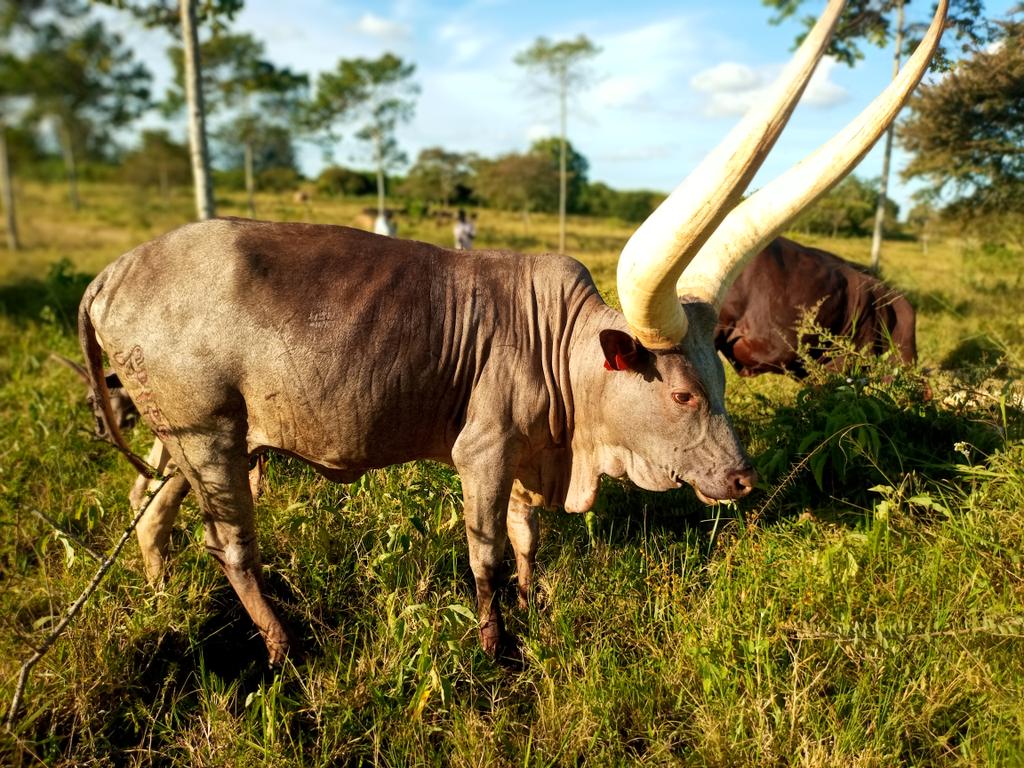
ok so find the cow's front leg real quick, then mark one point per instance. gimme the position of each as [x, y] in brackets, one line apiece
[486, 484]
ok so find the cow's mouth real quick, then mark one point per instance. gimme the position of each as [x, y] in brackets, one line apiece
[681, 481]
[706, 499]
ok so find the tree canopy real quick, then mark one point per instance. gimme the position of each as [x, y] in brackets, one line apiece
[439, 176]
[561, 69]
[871, 22]
[238, 76]
[85, 82]
[517, 182]
[89, 81]
[846, 210]
[966, 131]
[577, 169]
[374, 94]
[256, 99]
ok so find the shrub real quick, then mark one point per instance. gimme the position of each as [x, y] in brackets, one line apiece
[866, 422]
[336, 180]
[278, 179]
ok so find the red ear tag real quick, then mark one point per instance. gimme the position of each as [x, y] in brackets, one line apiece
[620, 364]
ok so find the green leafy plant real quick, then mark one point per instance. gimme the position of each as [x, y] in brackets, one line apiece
[860, 421]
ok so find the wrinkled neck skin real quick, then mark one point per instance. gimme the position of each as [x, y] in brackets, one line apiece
[628, 426]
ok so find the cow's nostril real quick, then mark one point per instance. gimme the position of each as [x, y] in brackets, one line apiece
[743, 480]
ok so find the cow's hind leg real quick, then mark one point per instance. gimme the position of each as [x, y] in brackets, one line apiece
[154, 529]
[522, 532]
[218, 472]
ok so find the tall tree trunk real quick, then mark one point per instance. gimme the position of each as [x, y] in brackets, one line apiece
[165, 186]
[883, 187]
[380, 173]
[563, 94]
[250, 181]
[200, 155]
[7, 192]
[67, 148]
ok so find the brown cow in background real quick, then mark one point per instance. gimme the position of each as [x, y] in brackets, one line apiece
[757, 324]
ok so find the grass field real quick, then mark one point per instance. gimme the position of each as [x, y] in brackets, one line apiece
[864, 608]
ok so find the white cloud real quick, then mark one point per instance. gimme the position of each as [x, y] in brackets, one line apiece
[384, 29]
[538, 131]
[463, 41]
[641, 153]
[821, 91]
[727, 77]
[620, 90]
[732, 88]
[628, 79]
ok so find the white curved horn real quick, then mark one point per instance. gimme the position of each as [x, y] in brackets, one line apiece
[759, 218]
[663, 245]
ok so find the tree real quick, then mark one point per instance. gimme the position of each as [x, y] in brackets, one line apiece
[377, 95]
[20, 18]
[845, 211]
[260, 96]
[560, 65]
[11, 73]
[185, 17]
[571, 167]
[200, 152]
[598, 199]
[877, 22]
[517, 182]
[272, 148]
[84, 84]
[158, 161]
[923, 219]
[439, 176]
[335, 180]
[966, 132]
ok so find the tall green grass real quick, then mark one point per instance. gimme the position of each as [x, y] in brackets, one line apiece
[865, 608]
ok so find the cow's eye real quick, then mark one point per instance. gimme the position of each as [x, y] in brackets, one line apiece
[685, 398]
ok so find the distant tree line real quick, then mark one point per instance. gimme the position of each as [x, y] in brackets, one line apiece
[526, 183]
[71, 90]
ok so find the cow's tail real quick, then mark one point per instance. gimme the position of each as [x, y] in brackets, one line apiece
[106, 423]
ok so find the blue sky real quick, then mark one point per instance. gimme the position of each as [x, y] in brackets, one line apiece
[669, 82]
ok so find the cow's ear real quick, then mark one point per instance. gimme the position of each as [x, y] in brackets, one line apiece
[621, 351]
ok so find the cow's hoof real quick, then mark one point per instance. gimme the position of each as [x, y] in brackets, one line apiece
[491, 637]
[277, 650]
[510, 654]
[532, 597]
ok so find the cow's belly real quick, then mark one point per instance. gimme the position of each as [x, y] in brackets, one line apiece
[347, 432]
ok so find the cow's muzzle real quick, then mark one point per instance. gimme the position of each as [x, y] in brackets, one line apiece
[739, 483]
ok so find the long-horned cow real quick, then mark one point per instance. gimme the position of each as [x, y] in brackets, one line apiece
[759, 318]
[353, 351]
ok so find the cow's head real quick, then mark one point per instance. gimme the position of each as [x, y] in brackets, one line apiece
[124, 410]
[683, 434]
[675, 270]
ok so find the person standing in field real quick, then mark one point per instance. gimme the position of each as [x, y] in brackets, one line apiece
[385, 224]
[465, 231]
